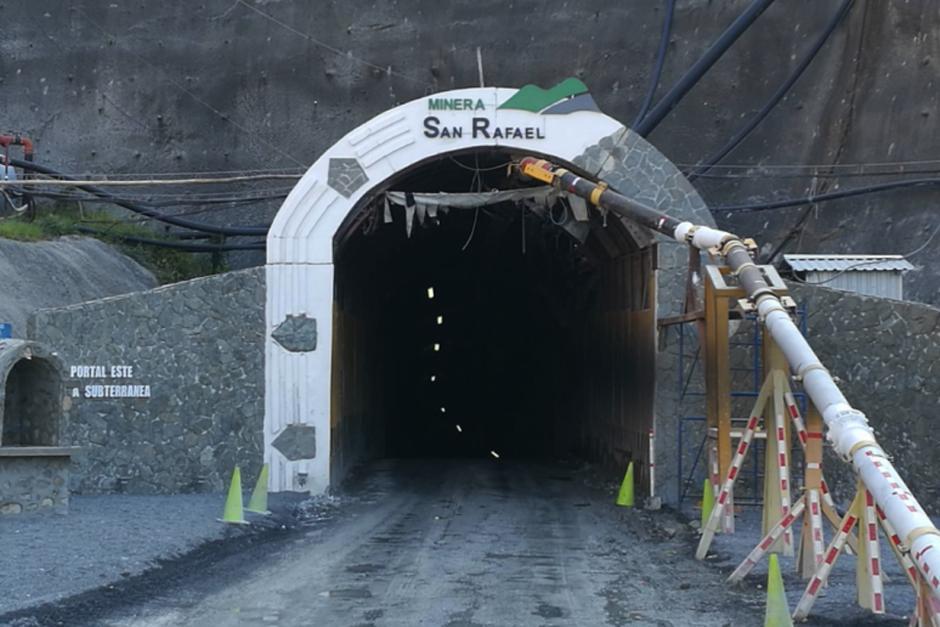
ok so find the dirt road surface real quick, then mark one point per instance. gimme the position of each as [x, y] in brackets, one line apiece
[462, 543]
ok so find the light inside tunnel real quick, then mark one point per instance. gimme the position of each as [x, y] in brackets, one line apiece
[549, 334]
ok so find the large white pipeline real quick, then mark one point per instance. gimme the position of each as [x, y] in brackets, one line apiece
[849, 431]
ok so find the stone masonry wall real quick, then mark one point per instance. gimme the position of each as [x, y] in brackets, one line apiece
[166, 386]
[886, 357]
[34, 484]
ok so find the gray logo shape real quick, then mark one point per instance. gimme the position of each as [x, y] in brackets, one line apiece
[346, 175]
[297, 442]
[298, 334]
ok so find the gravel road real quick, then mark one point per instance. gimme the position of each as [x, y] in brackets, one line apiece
[471, 543]
[457, 543]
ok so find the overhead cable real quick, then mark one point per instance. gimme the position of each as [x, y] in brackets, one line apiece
[660, 61]
[778, 95]
[701, 67]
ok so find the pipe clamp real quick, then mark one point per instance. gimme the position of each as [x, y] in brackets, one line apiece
[917, 532]
[599, 189]
[802, 372]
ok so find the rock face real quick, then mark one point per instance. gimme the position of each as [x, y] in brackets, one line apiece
[252, 94]
[61, 272]
[175, 395]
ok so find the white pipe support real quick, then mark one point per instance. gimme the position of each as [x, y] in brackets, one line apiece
[848, 429]
[910, 522]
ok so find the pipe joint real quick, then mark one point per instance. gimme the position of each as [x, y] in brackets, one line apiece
[848, 429]
[804, 370]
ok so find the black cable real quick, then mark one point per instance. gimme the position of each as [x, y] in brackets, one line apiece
[846, 193]
[698, 70]
[778, 95]
[660, 61]
[144, 210]
[193, 248]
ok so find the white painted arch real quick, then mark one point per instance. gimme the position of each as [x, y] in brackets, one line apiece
[300, 243]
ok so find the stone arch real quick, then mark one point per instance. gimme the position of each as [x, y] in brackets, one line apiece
[562, 123]
[31, 395]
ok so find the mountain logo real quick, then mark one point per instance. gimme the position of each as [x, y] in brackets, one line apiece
[568, 96]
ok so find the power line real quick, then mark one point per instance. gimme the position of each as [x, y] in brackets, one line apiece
[814, 175]
[846, 193]
[868, 263]
[815, 166]
[145, 182]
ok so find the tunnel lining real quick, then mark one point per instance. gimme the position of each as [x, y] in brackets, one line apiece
[610, 431]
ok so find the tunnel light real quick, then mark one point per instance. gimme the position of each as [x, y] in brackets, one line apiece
[459, 430]
[433, 378]
[440, 320]
[437, 347]
[443, 410]
[494, 454]
[430, 293]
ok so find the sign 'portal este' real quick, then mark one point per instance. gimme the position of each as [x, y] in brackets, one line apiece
[123, 389]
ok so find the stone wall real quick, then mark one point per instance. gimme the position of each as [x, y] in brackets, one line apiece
[34, 484]
[166, 386]
[886, 357]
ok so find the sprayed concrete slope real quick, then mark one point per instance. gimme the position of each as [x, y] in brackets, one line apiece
[36, 275]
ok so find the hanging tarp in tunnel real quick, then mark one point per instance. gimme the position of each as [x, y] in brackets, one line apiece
[539, 200]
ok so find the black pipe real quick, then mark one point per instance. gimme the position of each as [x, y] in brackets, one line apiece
[192, 248]
[146, 211]
[660, 61]
[698, 70]
[778, 95]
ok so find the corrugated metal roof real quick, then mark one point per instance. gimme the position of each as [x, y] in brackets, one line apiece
[849, 263]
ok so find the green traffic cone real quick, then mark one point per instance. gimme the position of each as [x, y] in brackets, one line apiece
[258, 503]
[708, 502]
[778, 611]
[625, 496]
[233, 503]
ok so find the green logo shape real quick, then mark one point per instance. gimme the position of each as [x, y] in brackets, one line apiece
[535, 99]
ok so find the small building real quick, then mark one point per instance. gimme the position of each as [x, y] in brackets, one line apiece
[873, 275]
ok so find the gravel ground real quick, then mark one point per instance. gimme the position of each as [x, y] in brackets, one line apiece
[103, 539]
[837, 604]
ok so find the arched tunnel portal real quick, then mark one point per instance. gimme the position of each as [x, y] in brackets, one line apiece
[423, 301]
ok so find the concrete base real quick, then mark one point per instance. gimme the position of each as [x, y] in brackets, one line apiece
[35, 479]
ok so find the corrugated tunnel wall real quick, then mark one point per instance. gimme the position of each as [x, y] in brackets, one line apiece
[490, 330]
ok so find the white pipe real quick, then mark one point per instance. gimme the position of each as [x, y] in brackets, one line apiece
[849, 432]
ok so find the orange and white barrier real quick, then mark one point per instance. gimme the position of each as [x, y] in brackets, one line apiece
[822, 573]
[767, 541]
[708, 532]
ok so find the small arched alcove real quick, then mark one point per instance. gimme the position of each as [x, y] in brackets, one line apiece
[34, 464]
[32, 392]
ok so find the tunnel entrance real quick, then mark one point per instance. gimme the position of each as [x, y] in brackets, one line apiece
[510, 329]
[548, 340]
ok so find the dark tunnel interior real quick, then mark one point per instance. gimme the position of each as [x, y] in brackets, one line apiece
[490, 330]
